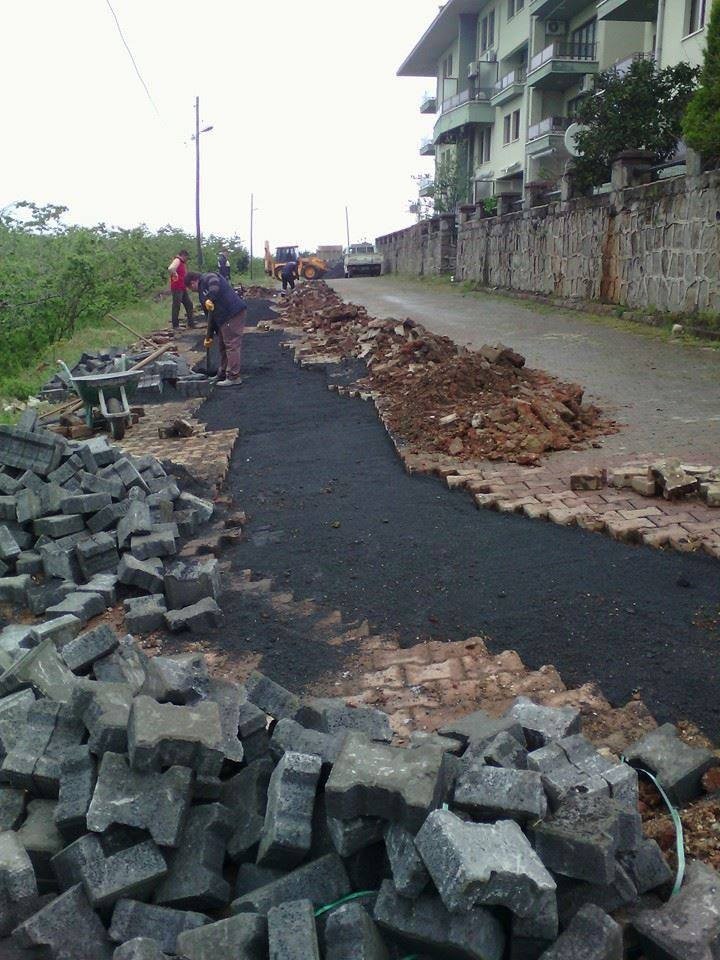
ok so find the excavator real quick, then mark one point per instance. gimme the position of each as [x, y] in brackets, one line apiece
[310, 268]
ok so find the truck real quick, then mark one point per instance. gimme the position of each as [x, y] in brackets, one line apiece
[362, 260]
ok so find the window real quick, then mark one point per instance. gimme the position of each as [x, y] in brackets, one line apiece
[515, 6]
[487, 32]
[572, 105]
[511, 127]
[584, 38]
[447, 67]
[484, 144]
[696, 19]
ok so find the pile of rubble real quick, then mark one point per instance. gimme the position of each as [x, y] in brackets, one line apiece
[148, 810]
[77, 520]
[669, 478]
[436, 396]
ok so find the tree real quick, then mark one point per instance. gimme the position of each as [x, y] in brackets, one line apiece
[701, 124]
[448, 189]
[639, 110]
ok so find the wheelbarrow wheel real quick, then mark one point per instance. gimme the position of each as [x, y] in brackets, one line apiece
[117, 427]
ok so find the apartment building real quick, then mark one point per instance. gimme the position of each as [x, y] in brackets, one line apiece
[509, 75]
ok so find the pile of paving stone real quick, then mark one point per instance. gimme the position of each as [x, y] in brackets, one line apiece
[668, 478]
[169, 368]
[436, 396]
[148, 810]
[80, 521]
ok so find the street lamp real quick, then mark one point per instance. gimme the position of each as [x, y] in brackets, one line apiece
[196, 138]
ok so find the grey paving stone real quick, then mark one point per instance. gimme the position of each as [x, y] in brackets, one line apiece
[68, 863]
[16, 638]
[105, 710]
[86, 503]
[68, 927]
[187, 523]
[292, 934]
[583, 837]
[43, 670]
[60, 558]
[17, 875]
[289, 736]
[483, 864]
[104, 584]
[38, 451]
[32, 741]
[28, 561]
[29, 505]
[427, 924]
[68, 732]
[141, 948]
[202, 508]
[228, 696]
[78, 774]
[13, 714]
[197, 617]
[243, 937]
[374, 779]
[349, 836]
[179, 679]
[92, 483]
[542, 924]
[687, 927]
[592, 935]
[195, 878]
[60, 630]
[12, 807]
[40, 596]
[505, 751]
[351, 934]
[163, 734]
[287, 832]
[188, 581]
[132, 919]
[156, 802]
[14, 589]
[479, 728]
[84, 606]
[145, 614]
[678, 766]
[157, 543]
[8, 508]
[543, 724]
[322, 881]
[146, 575]
[97, 554]
[501, 792]
[251, 877]
[81, 652]
[646, 866]
[108, 877]
[40, 837]
[333, 716]
[9, 547]
[129, 474]
[410, 875]
[246, 795]
[270, 697]
[572, 894]
[60, 526]
[128, 664]
[253, 731]
[108, 517]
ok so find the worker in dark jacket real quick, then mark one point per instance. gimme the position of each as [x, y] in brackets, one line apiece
[224, 264]
[226, 312]
[288, 274]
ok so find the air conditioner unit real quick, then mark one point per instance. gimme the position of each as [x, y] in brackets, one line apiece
[555, 28]
[473, 69]
[490, 56]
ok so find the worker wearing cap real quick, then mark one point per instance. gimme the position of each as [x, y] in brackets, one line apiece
[177, 270]
[226, 312]
[289, 274]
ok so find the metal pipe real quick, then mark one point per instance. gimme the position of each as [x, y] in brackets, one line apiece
[659, 28]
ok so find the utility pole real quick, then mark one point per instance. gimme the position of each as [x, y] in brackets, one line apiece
[198, 237]
[252, 212]
[347, 227]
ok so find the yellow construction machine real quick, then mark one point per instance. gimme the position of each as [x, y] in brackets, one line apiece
[310, 268]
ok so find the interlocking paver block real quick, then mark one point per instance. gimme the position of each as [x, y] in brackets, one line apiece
[128, 664]
[9, 547]
[12, 807]
[246, 795]
[592, 935]
[289, 736]
[410, 875]
[543, 724]
[646, 866]
[141, 948]
[78, 775]
[270, 697]
[195, 879]
[197, 617]
[14, 589]
[146, 575]
[81, 652]
[187, 581]
[17, 876]
[39, 835]
[84, 606]
[39, 452]
[678, 766]
[483, 864]
[500, 792]
[157, 543]
[478, 728]
[374, 779]
[145, 614]
[228, 696]
[333, 716]
[287, 832]
[322, 881]
[68, 927]
[136, 520]
[162, 735]
[427, 924]
[349, 836]
[105, 710]
[156, 802]
[97, 554]
[292, 934]
[131, 872]
[243, 936]
[350, 934]
[133, 919]
[109, 516]
[179, 679]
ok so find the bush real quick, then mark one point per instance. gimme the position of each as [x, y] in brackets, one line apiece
[701, 124]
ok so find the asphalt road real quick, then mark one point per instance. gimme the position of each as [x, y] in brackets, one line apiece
[335, 517]
[666, 394]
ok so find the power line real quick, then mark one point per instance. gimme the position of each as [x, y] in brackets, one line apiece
[132, 58]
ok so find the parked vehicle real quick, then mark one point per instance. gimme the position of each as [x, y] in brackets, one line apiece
[362, 261]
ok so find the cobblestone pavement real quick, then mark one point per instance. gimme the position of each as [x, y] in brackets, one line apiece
[666, 394]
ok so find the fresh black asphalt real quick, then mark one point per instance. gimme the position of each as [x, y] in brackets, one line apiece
[335, 517]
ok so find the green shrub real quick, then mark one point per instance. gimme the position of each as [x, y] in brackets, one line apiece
[701, 124]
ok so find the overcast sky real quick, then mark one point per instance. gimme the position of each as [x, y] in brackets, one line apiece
[307, 113]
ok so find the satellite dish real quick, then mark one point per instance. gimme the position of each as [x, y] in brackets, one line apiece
[570, 142]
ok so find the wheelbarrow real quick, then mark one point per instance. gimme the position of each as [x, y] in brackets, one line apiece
[110, 392]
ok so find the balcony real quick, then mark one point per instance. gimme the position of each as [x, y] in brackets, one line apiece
[557, 9]
[561, 65]
[428, 104]
[508, 87]
[426, 187]
[621, 67]
[547, 135]
[427, 147]
[463, 108]
[638, 11]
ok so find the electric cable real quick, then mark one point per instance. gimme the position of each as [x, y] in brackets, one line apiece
[132, 58]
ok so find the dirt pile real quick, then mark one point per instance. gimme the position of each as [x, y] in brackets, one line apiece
[436, 396]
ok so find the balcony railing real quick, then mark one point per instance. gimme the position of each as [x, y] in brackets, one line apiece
[621, 67]
[518, 75]
[428, 103]
[562, 50]
[467, 96]
[549, 125]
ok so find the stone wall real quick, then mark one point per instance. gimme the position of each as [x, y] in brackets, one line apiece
[646, 247]
[427, 248]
